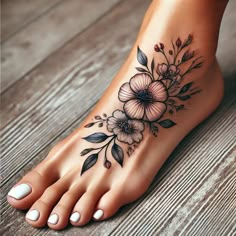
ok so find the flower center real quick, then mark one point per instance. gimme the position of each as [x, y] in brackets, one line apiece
[170, 74]
[125, 126]
[144, 96]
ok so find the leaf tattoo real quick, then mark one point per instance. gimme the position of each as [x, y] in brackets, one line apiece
[89, 162]
[166, 123]
[86, 151]
[156, 89]
[185, 88]
[117, 153]
[142, 58]
[96, 138]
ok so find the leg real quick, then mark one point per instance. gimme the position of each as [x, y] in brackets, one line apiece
[164, 89]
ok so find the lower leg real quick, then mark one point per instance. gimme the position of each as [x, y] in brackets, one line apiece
[202, 18]
[77, 188]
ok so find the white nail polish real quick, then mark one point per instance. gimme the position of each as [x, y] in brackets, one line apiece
[53, 219]
[20, 191]
[98, 214]
[75, 217]
[33, 215]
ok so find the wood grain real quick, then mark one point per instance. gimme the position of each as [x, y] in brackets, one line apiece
[18, 13]
[193, 194]
[39, 39]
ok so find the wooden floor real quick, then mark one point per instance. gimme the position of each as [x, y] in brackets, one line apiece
[54, 68]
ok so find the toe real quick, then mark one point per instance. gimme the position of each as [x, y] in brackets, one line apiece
[64, 208]
[29, 189]
[84, 208]
[108, 205]
[39, 213]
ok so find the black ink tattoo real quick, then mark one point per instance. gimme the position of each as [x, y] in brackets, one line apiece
[147, 96]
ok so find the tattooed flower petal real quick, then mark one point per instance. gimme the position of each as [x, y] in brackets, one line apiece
[116, 130]
[119, 114]
[134, 109]
[137, 137]
[111, 124]
[138, 126]
[140, 82]
[126, 93]
[173, 68]
[123, 137]
[162, 68]
[158, 91]
[155, 110]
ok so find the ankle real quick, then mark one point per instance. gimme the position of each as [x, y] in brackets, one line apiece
[197, 18]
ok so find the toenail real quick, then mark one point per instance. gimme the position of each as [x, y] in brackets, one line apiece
[53, 219]
[20, 191]
[33, 215]
[75, 217]
[98, 214]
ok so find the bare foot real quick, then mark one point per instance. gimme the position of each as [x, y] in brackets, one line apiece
[169, 84]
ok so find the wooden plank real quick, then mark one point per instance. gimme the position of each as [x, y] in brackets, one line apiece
[62, 86]
[39, 39]
[18, 13]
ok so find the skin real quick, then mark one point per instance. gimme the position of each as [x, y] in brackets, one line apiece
[63, 190]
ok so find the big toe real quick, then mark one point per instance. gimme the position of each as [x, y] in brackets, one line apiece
[29, 189]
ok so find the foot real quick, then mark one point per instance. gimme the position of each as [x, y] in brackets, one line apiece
[168, 85]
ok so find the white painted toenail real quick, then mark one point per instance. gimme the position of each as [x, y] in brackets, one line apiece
[20, 191]
[98, 214]
[53, 219]
[33, 215]
[75, 217]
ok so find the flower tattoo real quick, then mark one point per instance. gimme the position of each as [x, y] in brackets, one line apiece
[168, 72]
[152, 92]
[144, 98]
[127, 130]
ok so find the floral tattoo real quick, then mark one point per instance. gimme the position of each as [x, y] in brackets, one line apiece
[148, 95]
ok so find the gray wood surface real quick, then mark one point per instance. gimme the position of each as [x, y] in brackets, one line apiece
[49, 88]
[37, 40]
[16, 14]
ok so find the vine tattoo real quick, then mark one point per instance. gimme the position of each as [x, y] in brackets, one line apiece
[153, 91]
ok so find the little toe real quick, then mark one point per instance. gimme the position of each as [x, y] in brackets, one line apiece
[84, 208]
[38, 215]
[108, 205]
[63, 209]
[29, 189]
